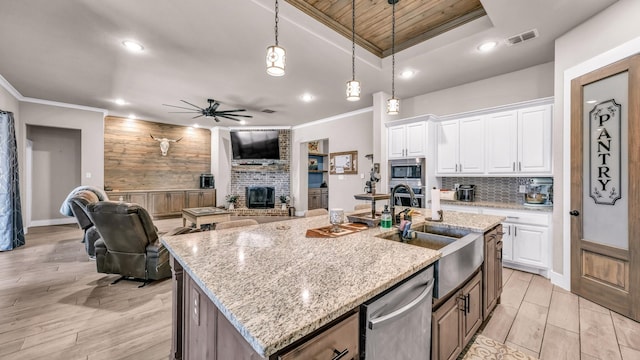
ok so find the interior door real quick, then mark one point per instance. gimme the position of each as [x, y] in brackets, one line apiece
[605, 186]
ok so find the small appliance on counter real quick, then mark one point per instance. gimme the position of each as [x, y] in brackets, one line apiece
[207, 181]
[466, 192]
[539, 192]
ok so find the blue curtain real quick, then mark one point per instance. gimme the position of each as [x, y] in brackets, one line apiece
[11, 230]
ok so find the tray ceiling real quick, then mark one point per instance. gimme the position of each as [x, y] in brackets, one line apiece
[416, 20]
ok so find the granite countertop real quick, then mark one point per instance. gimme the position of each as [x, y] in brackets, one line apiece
[276, 286]
[498, 205]
[465, 221]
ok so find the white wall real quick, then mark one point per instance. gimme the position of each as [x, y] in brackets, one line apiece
[528, 84]
[56, 157]
[348, 133]
[221, 162]
[91, 125]
[582, 48]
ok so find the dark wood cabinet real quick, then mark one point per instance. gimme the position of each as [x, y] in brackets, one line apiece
[339, 339]
[200, 198]
[492, 269]
[455, 321]
[202, 332]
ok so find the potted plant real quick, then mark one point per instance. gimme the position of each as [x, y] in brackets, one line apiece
[231, 200]
[284, 199]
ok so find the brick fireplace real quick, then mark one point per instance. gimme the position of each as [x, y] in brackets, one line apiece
[274, 174]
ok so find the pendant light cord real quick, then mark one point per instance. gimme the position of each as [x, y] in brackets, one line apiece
[276, 22]
[393, 50]
[353, 40]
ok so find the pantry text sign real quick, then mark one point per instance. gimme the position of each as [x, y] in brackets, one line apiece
[605, 150]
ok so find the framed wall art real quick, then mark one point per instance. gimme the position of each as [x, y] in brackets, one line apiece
[343, 163]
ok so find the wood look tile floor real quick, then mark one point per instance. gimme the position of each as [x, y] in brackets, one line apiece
[550, 323]
[53, 305]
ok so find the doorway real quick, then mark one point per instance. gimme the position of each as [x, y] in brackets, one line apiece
[605, 186]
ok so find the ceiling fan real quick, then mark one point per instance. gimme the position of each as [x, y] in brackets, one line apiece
[210, 111]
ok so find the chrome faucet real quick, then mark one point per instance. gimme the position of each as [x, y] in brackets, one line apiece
[393, 200]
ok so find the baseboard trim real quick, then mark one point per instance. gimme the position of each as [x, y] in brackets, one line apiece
[49, 222]
[560, 280]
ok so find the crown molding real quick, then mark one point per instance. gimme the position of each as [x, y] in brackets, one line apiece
[16, 94]
[333, 118]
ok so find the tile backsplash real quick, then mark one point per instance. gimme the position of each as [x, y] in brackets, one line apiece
[495, 189]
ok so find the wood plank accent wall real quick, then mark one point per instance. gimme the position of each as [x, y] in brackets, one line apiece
[133, 160]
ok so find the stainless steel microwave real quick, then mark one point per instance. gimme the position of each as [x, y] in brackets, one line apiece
[406, 171]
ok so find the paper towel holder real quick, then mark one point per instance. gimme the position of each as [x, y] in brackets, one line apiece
[439, 214]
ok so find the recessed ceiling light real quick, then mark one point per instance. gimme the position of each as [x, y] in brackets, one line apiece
[242, 122]
[487, 46]
[592, 101]
[196, 126]
[132, 45]
[306, 97]
[132, 116]
[407, 74]
[120, 102]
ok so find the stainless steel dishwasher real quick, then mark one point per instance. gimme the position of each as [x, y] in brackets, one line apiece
[398, 323]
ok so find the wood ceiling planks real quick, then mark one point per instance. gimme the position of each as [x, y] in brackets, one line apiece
[416, 20]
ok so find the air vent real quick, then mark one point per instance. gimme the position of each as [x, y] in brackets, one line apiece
[268, 111]
[525, 36]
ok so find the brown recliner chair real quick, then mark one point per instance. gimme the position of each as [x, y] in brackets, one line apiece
[129, 243]
[78, 204]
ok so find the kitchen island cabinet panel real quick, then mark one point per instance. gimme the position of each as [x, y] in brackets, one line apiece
[455, 321]
[492, 269]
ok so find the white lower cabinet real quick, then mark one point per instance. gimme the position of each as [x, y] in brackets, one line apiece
[525, 238]
[527, 245]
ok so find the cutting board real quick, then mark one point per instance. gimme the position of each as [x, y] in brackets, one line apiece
[344, 229]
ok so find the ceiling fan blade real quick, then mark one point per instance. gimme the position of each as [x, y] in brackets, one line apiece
[238, 115]
[234, 110]
[179, 107]
[195, 117]
[215, 105]
[195, 106]
[182, 112]
[228, 117]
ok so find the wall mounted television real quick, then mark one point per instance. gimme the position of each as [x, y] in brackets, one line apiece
[255, 145]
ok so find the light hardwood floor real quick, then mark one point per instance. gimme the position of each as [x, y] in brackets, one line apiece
[53, 305]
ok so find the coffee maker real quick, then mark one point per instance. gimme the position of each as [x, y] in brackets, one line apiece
[539, 192]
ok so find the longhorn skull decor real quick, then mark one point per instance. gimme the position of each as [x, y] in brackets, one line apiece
[164, 143]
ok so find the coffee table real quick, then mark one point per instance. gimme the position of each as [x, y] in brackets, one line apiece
[204, 215]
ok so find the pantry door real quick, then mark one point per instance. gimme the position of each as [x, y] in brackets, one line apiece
[605, 186]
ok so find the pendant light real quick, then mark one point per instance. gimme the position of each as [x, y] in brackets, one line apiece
[275, 54]
[393, 104]
[353, 86]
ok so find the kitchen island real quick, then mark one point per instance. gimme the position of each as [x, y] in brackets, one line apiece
[271, 286]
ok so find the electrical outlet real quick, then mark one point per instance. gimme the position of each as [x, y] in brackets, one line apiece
[522, 189]
[362, 176]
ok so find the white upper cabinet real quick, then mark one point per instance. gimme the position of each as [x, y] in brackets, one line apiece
[515, 141]
[408, 140]
[534, 140]
[459, 146]
[502, 142]
[447, 139]
[519, 141]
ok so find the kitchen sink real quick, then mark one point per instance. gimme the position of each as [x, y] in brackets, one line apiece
[425, 240]
[462, 253]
